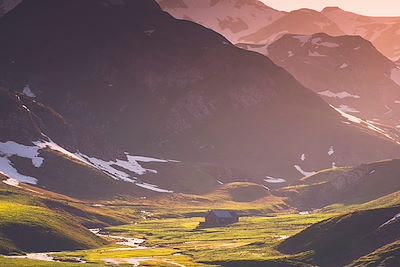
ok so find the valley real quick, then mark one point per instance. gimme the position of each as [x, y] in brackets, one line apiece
[164, 231]
[194, 133]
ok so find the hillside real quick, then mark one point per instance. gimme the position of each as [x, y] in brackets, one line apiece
[347, 71]
[356, 185]
[388, 255]
[344, 239]
[40, 221]
[381, 31]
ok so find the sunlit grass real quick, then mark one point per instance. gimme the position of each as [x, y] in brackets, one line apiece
[253, 238]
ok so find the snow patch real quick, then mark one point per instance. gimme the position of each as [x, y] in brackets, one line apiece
[331, 151]
[131, 164]
[395, 75]
[329, 44]
[10, 148]
[11, 182]
[303, 157]
[153, 188]
[149, 32]
[53, 146]
[339, 95]
[343, 66]
[107, 167]
[369, 124]
[391, 221]
[302, 38]
[273, 180]
[315, 54]
[347, 109]
[303, 172]
[28, 92]
[7, 169]
[389, 110]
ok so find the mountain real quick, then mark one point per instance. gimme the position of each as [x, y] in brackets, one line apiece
[355, 185]
[383, 32]
[347, 71]
[302, 21]
[28, 155]
[231, 18]
[346, 238]
[155, 105]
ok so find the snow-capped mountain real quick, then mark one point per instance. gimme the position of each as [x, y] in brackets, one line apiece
[383, 32]
[302, 21]
[163, 104]
[238, 21]
[231, 18]
[347, 71]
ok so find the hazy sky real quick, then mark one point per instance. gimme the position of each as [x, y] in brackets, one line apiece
[365, 7]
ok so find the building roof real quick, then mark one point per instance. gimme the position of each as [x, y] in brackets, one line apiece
[223, 213]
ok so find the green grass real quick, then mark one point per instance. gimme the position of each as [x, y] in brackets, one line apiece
[32, 228]
[387, 201]
[32, 219]
[388, 255]
[179, 240]
[346, 186]
[346, 237]
[33, 263]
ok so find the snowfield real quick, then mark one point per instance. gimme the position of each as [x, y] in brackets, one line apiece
[303, 172]
[340, 95]
[368, 124]
[127, 168]
[273, 180]
[28, 92]
[347, 109]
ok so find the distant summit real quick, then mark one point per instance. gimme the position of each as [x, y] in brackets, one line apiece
[252, 22]
[331, 8]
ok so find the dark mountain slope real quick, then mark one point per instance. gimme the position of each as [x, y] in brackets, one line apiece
[346, 238]
[24, 120]
[347, 71]
[356, 185]
[127, 77]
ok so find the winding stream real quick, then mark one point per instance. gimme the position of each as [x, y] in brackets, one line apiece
[127, 242]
